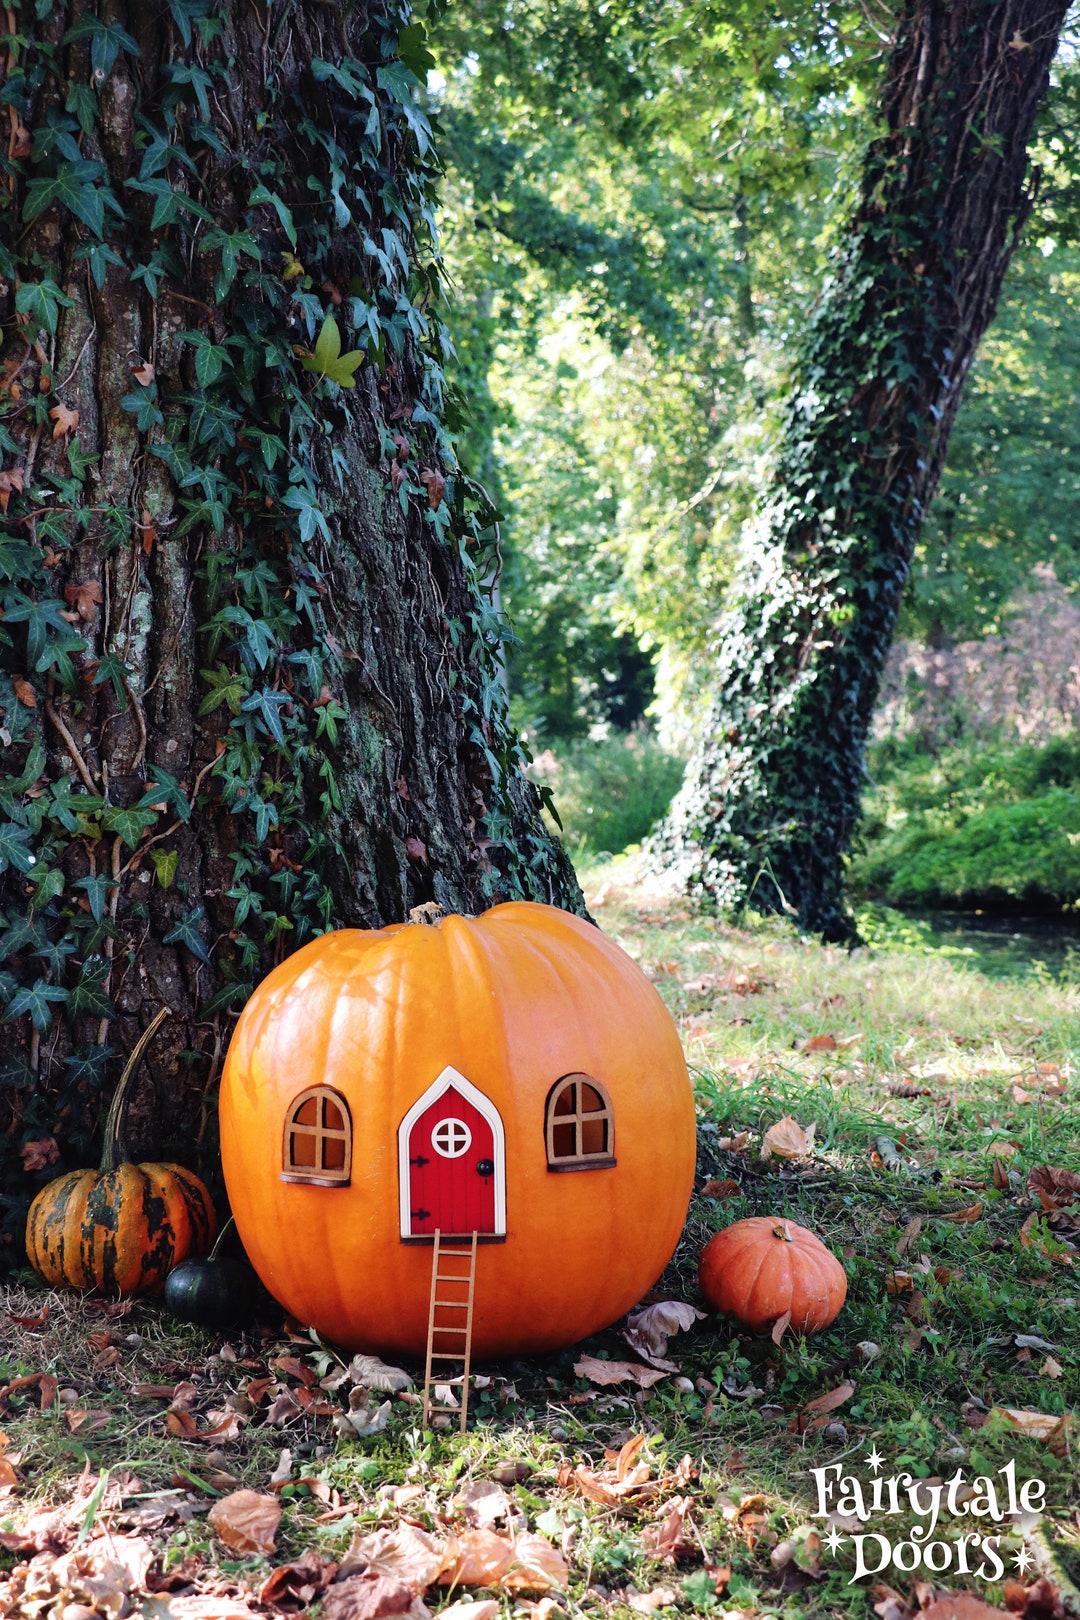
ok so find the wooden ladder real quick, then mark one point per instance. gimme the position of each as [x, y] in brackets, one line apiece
[456, 1333]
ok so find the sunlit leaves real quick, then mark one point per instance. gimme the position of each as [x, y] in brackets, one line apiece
[328, 360]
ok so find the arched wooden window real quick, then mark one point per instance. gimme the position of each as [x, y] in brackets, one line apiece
[318, 1139]
[579, 1128]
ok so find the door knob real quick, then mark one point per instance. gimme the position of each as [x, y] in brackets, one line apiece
[485, 1167]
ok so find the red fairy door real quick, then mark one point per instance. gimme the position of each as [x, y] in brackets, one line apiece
[451, 1157]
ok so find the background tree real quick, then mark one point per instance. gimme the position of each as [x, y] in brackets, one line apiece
[250, 669]
[772, 797]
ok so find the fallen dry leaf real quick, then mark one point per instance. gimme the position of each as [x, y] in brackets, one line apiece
[65, 420]
[372, 1597]
[477, 1558]
[537, 1566]
[908, 1235]
[247, 1521]
[484, 1609]
[780, 1327]
[964, 1217]
[405, 1553]
[1051, 1368]
[1060, 1186]
[85, 597]
[721, 1189]
[616, 1372]
[648, 1330]
[293, 1586]
[819, 1043]
[1053, 1429]
[24, 692]
[831, 1400]
[962, 1606]
[787, 1140]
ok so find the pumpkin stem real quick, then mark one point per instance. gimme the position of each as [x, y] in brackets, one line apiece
[217, 1242]
[781, 1230]
[114, 1150]
[429, 915]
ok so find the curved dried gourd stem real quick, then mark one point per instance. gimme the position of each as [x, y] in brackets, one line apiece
[114, 1150]
[217, 1241]
[782, 1230]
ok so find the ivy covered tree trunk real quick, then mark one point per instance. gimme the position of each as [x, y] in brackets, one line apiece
[249, 671]
[770, 802]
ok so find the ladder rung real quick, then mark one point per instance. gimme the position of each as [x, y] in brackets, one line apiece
[456, 1254]
[446, 1355]
[446, 1276]
[451, 1304]
[438, 1328]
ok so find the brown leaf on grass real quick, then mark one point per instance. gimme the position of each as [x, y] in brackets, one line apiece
[787, 1140]
[537, 1566]
[39, 1153]
[79, 1421]
[485, 1503]
[964, 1217]
[616, 1372]
[33, 1321]
[721, 1189]
[372, 1597]
[908, 1235]
[1059, 1186]
[293, 1586]
[405, 1553]
[65, 420]
[1001, 1176]
[484, 1609]
[667, 1538]
[961, 1606]
[24, 692]
[1053, 1429]
[247, 1521]
[780, 1327]
[831, 1399]
[8, 1476]
[1051, 1368]
[1039, 1601]
[477, 1558]
[143, 374]
[1021, 1096]
[905, 1088]
[648, 1330]
[819, 1043]
[85, 597]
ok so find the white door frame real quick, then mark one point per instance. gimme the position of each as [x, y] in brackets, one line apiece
[450, 1077]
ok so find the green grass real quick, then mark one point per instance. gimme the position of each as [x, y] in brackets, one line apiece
[941, 1353]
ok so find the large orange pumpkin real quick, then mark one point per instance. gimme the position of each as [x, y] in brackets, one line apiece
[123, 1227]
[383, 1083]
[763, 1267]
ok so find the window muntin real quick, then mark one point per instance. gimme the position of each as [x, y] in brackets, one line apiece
[579, 1129]
[318, 1139]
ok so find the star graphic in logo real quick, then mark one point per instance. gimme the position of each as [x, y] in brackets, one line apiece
[874, 1459]
[1023, 1559]
[834, 1540]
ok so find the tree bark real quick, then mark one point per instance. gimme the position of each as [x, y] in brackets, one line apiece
[771, 799]
[249, 672]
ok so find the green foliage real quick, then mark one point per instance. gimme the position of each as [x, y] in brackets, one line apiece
[987, 827]
[609, 792]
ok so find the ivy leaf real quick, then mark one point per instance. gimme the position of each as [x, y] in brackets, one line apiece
[228, 996]
[328, 359]
[86, 1066]
[143, 406]
[267, 704]
[261, 195]
[311, 517]
[111, 667]
[166, 863]
[106, 40]
[41, 303]
[99, 256]
[187, 933]
[226, 686]
[13, 851]
[96, 887]
[210, 358]
[73, 185]
[47, 885]
[128, 825]
[35, 999]
[88, 998]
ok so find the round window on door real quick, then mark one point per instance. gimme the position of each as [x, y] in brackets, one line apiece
[451, 1138]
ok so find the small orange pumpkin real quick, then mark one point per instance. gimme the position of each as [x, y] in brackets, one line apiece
[764, 1267]
[123, 1227]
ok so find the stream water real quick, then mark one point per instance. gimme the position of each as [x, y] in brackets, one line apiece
[1010, 946]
